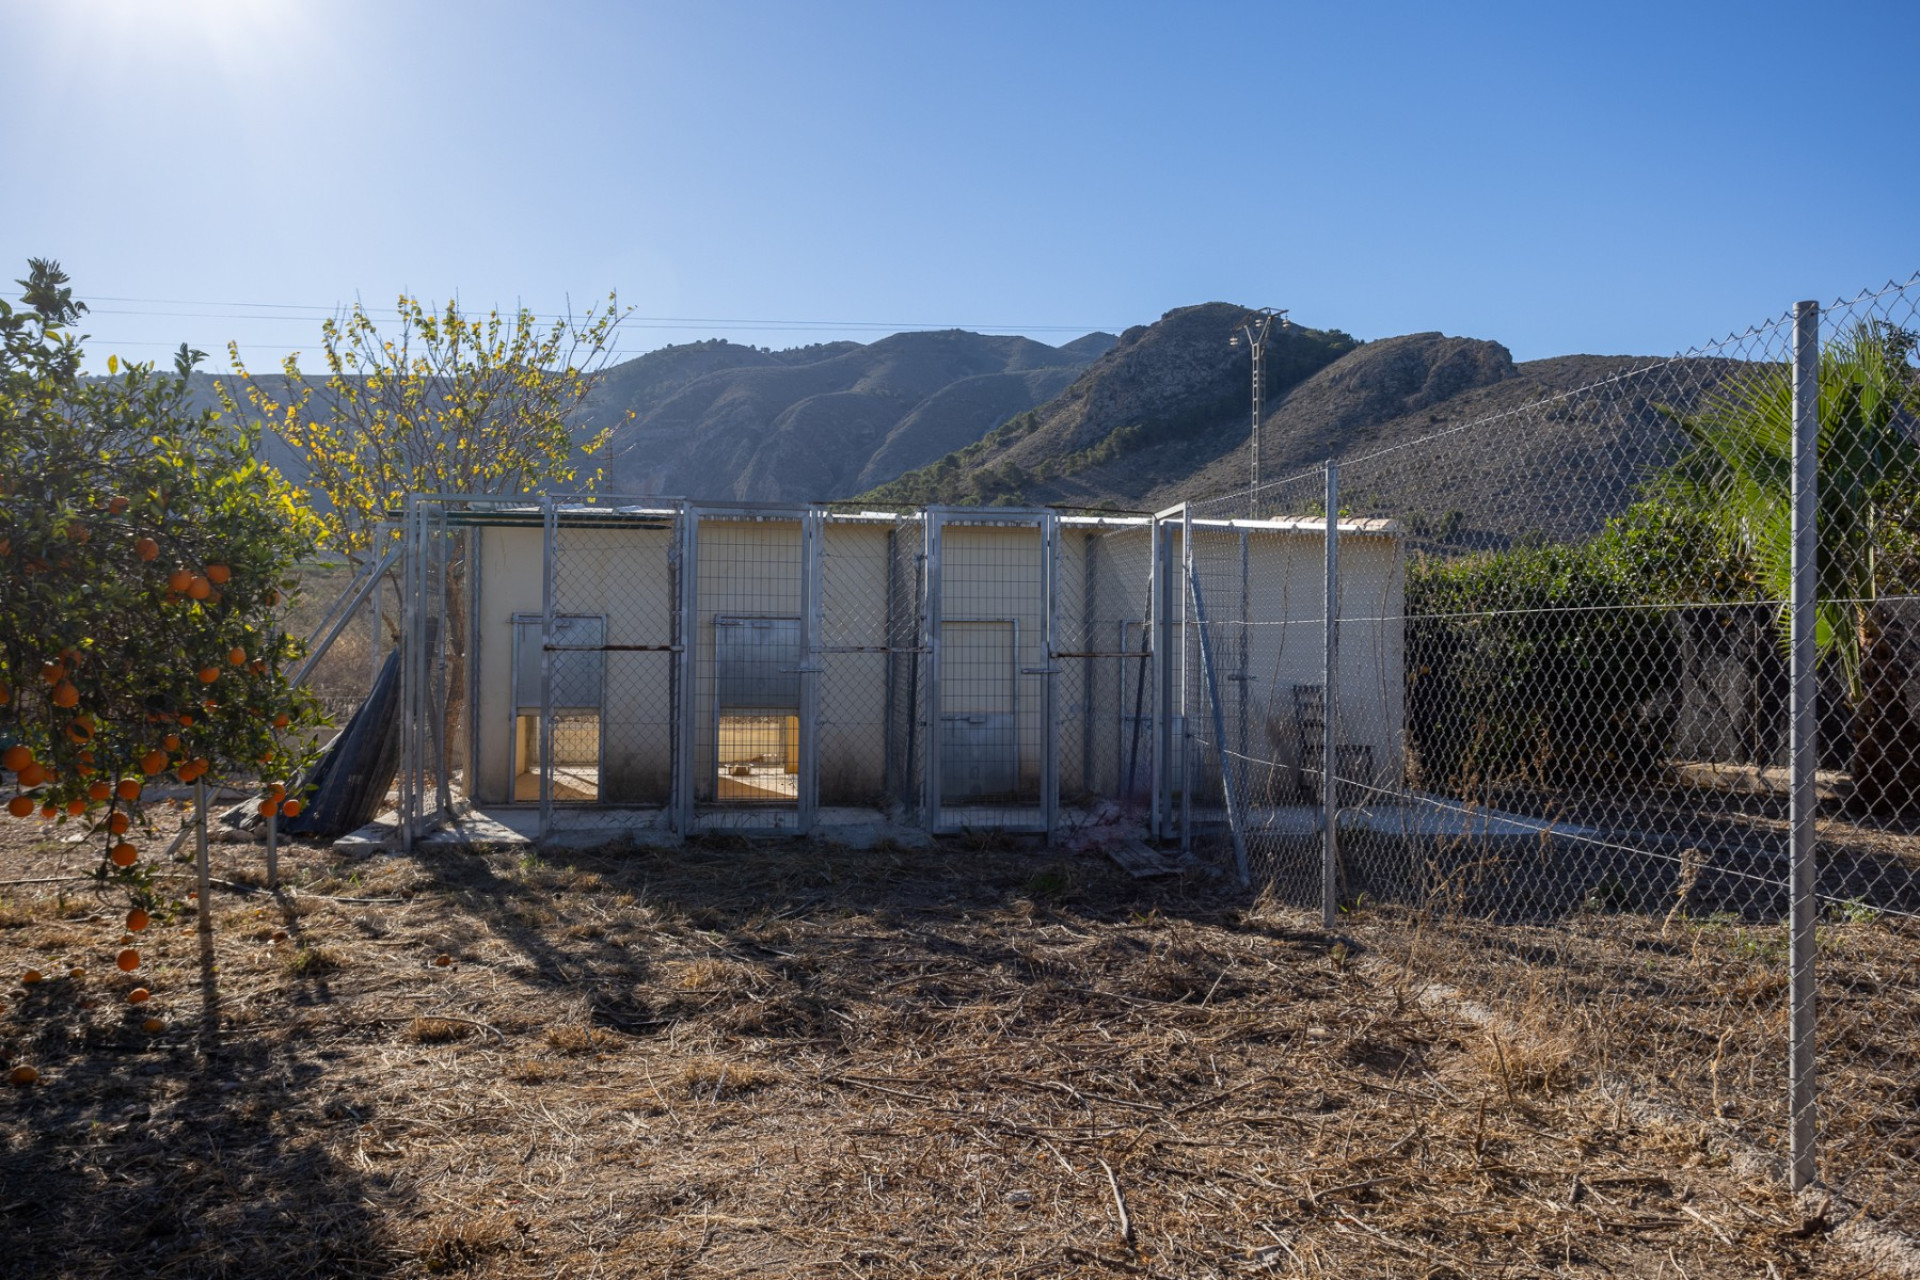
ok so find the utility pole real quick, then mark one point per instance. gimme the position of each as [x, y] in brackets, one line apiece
[1255, 329]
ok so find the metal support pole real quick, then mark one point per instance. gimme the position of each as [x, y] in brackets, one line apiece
[930, 637]
[812, 624]
[1259, 349]
[1157, 663]
[686, 606]
[273, 850]
[1228, 793]
[1329, 713]
[550, 538]
[1186, 680]
[410, 645]
[1049, 686]
[1802, 738]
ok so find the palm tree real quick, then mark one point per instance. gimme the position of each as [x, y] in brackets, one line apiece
[1738, 471]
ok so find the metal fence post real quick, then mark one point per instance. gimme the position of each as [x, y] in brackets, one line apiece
[1330, 665]
[549, 526]
[812, 629]
[1156, 663]
[1186, 682]
[1050, 551]
[686, 665]
[930, 640]
[410, 645]
[1803, 728]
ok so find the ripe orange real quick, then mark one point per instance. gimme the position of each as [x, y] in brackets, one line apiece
[171, 742]
[99, 791]
[218, 574]
[291, 809]
[49, 811]
[21, 806]
[282, 720]
[151, 763]
[201, 764]
[139, 995]
[184, 720]
[76, 808]
[128, 960]
[147, 549]
[77, 532]
[76, 973]
[153, 1026]
[30, 977]
[17, 757]
[278, 791]
[208, 674]
[116, 505]
[6, 695]
[53, 673]
[269, 808]
[237, 656]
[123, 854]
[137, 919]
[81, 730]
[198, 588]
[34, 774]
[23, 1076]
[178, 581]
[119, 823]
[65, 694]
[129, 788]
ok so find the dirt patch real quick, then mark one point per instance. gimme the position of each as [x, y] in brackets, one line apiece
[793, 1061]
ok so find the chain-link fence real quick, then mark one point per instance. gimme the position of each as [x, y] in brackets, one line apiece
[1621, 697]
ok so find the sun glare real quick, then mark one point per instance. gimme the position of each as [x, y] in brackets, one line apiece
[232, 35]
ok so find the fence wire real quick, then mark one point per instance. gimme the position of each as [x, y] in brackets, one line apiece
[1562, 725]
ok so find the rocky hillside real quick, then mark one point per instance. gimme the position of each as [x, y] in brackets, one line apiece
[1163, 417]
[720, 421]
[717, 420]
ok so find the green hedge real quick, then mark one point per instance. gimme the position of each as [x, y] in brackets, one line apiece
[1556, 665]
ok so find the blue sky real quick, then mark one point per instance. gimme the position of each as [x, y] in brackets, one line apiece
[1616, 177]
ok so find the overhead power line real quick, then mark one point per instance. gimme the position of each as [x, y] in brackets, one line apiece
[308, 312]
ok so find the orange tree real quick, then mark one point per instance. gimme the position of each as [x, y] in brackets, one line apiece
[146, 557]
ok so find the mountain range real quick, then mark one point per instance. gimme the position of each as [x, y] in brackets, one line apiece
[1134, 422]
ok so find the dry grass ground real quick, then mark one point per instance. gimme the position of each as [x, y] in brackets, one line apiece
[791, 1061]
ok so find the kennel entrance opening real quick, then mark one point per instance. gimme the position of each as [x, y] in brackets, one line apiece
[755, 600]
[757, 704]
[573, 654]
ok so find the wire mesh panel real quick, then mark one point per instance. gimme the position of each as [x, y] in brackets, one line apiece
[1543, 630]
[1867, 647]
[754, 605]
[1105, 708]
[869, 635]
[433, 610]
[598, 660]
[1254, 590]
[991, 749]
[1557, 698]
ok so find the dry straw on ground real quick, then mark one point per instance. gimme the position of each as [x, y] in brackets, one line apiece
[795, 1061]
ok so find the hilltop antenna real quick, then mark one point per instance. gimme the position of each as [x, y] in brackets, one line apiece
[1255, 329]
